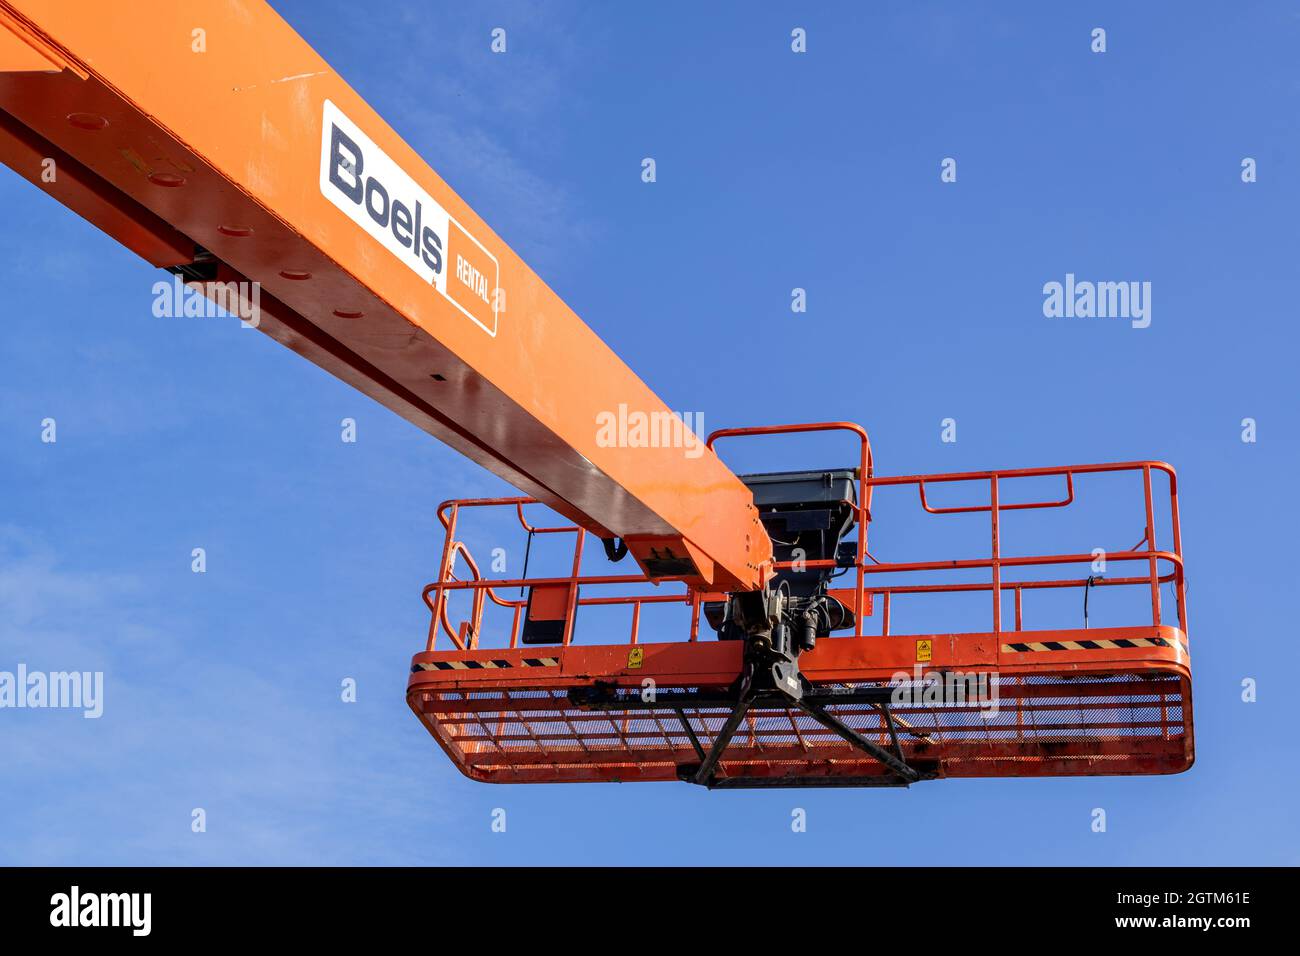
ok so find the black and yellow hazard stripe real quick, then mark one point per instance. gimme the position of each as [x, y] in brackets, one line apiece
[1124, 642]
[468, 665]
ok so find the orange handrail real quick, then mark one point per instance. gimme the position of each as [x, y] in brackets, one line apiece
[1163, 566]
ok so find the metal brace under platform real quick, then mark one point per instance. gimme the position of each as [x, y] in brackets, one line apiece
[747, 696]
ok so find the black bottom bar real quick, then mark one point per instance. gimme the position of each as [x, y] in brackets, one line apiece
[383, 907]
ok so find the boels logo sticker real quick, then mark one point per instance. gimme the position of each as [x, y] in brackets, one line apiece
[374, 192]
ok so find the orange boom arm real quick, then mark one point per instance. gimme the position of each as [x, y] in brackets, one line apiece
[209, 137]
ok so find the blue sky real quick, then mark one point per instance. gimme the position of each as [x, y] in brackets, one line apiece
[775, 171]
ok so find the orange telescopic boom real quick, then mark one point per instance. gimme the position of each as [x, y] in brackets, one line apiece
[212, 138]
[212, 141]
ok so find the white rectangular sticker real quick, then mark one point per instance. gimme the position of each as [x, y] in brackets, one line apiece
[375, 193]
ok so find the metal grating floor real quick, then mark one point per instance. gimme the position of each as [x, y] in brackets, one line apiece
[1043, 725]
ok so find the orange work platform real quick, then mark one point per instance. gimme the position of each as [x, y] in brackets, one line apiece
[879, 708]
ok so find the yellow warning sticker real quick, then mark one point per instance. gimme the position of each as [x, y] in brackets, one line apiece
[635, 656]
[924, 650]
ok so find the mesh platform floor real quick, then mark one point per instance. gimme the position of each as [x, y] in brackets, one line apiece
[1043, 725]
